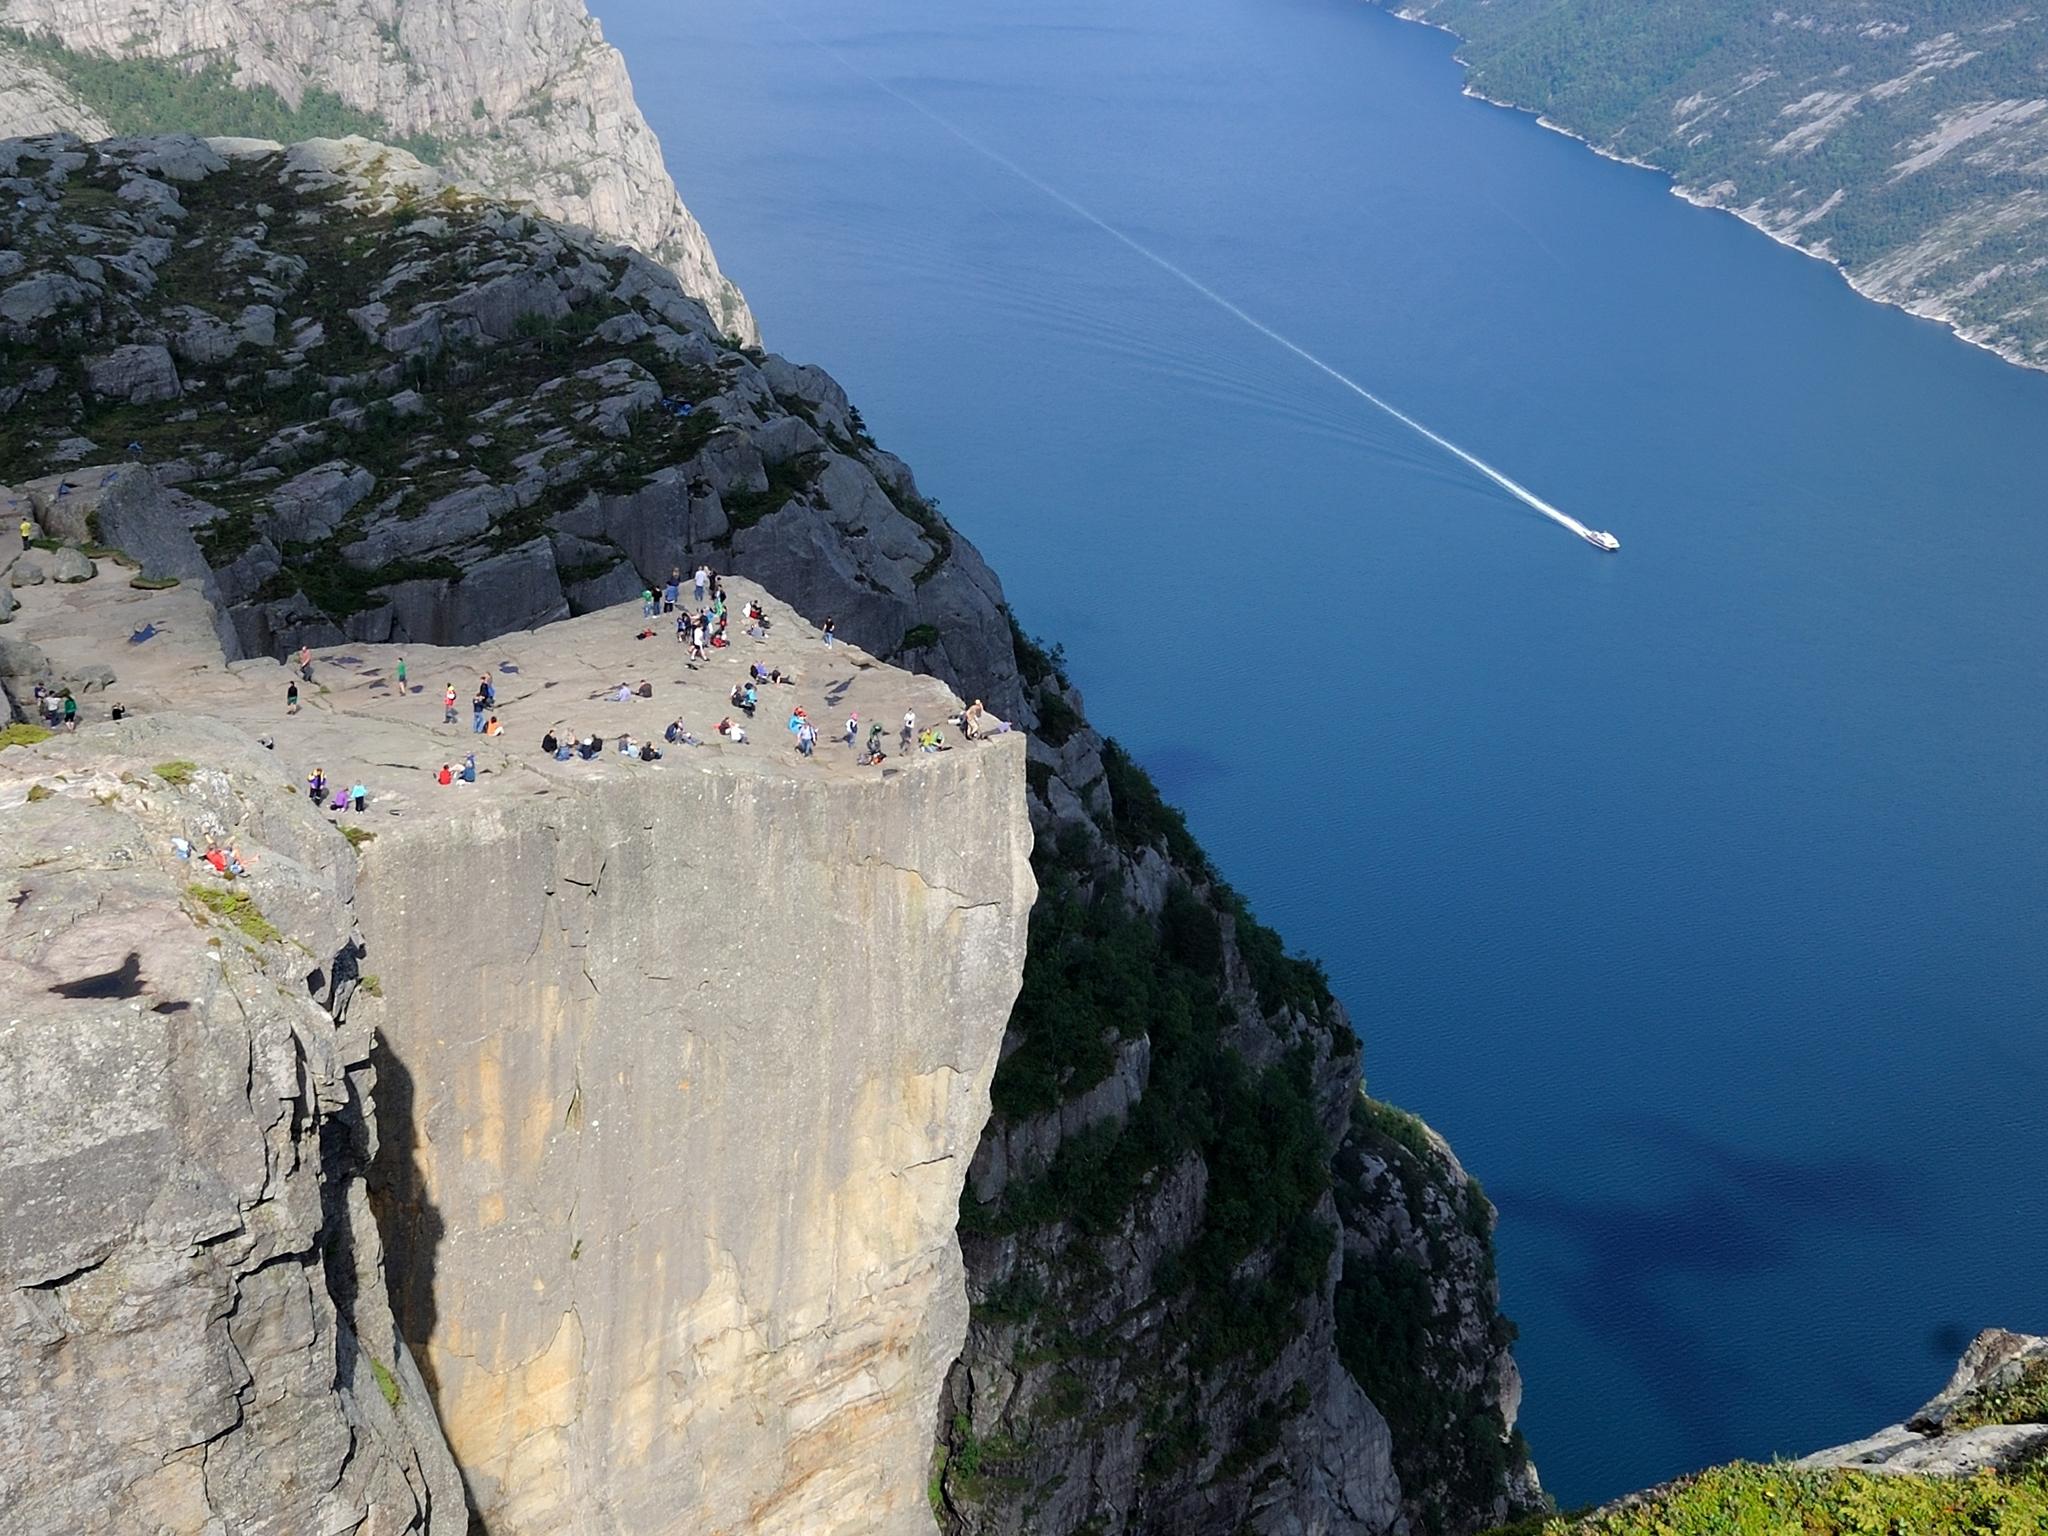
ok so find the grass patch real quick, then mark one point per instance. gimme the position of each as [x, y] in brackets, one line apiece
[232, 906]
[1747, 1500]
[153, 583]
[22, 735]
[372, 984]
[386, 1382]
[177, 772]
[39, 792]
[357, 836]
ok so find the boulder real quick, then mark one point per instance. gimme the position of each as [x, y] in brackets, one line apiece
[500, 304]
[35, 299]
[310, 506]
[7, 604]
[454, 519]
[135, 373]
[201, 339]
[71, 565]
[28, 571]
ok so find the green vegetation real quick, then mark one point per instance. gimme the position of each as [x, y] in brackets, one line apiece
[39, 792]
[153, 583]
[1393, 1340]
[157, 96]
[1747, 1500]
[2022, 1401]
[357, 836]
[372, 984]
[236, 908]
[386, 1382]
[177, 772]
[918, 637]
[22, 735]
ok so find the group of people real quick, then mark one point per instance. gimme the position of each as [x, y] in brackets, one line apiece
[356, 797]
[59, 710]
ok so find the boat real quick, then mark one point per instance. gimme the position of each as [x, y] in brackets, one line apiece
[1599, 540]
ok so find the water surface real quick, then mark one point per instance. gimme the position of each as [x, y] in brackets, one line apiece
[1696, 892]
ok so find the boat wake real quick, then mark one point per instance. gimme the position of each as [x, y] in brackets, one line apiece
[1514, 488]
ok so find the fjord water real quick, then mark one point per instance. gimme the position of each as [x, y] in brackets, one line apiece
[1696, 892]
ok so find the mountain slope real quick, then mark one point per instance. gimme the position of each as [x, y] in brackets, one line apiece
[1904, 140]
[525, 99]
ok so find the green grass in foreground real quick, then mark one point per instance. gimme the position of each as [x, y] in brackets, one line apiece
[19, 735]
[1746, 1500]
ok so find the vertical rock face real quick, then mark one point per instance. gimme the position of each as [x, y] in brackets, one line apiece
[526, 98]
[690, 1077]
[194, 1336]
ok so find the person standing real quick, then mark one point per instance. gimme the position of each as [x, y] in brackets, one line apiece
[670, 594]
[401, 674]
[476, 713]
[306, 663]
[702, 581]
[70, 711]
[359, 796]
[830, 630]
[291, 698]
[909, 730]
[448, 706]
[852, 729]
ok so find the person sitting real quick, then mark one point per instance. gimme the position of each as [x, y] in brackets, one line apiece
[565, 751]
[623, 694]
[117, 711]
[649, 753]
[446, 775]
[645, 690]
[218, 858]
[589, 747]
[625, 746]
[236, 865]
[468, 774]
[548, 742]
[732, 732]
[492, 727]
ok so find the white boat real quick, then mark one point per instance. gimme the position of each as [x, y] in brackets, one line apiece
[1599, 540]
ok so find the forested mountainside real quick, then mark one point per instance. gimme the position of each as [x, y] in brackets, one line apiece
[1905, 140]
[526, 100]
[1214, 1286]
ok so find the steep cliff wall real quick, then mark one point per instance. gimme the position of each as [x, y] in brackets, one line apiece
[527, 99]
[194, 1336]
[693, 1071]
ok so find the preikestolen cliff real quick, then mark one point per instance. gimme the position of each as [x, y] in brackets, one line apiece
[575, 960]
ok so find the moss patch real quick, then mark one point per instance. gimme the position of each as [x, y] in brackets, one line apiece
[22, 735]
[386, 1382]
[176, 772]
[235, 907]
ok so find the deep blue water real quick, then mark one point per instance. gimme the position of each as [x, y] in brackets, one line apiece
[1696, 892]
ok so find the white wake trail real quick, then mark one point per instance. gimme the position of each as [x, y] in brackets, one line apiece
[1513, 487]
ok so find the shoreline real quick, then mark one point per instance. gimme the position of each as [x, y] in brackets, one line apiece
[1698, 199]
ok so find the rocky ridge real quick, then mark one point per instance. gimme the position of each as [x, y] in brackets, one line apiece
[527, 101]
[1206, 1272]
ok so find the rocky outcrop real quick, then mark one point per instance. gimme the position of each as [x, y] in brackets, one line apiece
[194, 1335]
[528, 102]
[1185, 1260]
[678, 1066]
[1992, 1415]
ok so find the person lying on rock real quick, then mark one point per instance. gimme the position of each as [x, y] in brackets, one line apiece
[732, 731]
